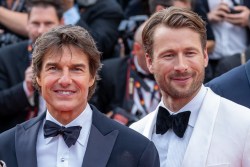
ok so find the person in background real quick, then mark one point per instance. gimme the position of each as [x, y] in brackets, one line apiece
[71, 13]
[192, 126]
[230, 24]
[71, 132]
[234, 84]
[101, 18]
[18, 99]
[228, 63]
[13, 20]
[127, 92]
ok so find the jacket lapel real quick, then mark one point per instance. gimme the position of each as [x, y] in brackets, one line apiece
[198, 147]
[101, 141]
[150, 124]
[26, 138]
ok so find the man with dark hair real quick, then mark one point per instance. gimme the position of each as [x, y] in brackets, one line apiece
[18, 100]
[71, 132]
[192, 126]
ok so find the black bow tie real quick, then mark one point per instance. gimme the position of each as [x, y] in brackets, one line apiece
[177, 122]
[70, 134]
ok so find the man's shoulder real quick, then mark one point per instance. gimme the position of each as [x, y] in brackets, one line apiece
[13, 48]
[227, 78]
[231, 106]
[139, 126]
[22, 44]
[7, 137]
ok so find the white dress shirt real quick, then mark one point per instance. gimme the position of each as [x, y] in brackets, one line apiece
[53, 152]
[230, 38]
[171, 148]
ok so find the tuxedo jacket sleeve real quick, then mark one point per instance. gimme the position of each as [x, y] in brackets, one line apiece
[102, 20]
[110, 144]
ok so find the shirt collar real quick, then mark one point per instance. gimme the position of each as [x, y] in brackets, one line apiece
[84, 120]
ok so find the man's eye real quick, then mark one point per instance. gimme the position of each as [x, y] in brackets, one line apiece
[190, 53]
[168, 56]
[52, 68]
[77, 69]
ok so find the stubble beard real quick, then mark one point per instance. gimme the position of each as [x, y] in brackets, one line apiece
[179, 93]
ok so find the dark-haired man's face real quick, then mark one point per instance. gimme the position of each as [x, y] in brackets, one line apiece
[41, 20]
[65, 80]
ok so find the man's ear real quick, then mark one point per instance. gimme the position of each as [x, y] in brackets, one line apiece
[38, 81]
[206, 59]
[136, 48]
[149, 62]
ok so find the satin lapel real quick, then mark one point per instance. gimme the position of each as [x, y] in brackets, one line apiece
[99, 148]
[100, 142]
[247, 68]
[26, 138]
[150, 124]
[198, 147]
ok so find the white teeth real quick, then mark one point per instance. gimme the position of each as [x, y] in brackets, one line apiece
[65, 92]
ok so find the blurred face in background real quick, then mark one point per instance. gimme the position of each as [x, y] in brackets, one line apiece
[41, 19]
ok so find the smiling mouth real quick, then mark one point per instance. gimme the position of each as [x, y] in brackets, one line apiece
[65, 92]
[181, 79]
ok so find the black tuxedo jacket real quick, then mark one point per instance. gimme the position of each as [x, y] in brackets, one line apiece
[110, 144]
[234, 85]
[13, 102]
[111, 89]
[102, 20]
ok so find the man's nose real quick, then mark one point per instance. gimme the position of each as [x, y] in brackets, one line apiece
[41, 29]
[181, 64]
[65, 79]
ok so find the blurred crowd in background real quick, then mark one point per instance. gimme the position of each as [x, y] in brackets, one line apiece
[127, 91]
